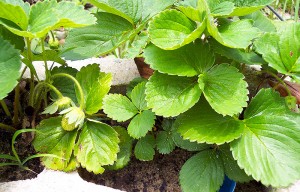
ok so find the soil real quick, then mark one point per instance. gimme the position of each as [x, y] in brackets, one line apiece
[159, 175]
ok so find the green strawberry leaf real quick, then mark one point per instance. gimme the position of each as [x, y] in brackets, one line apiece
[151, 8]
[189, 9]
[189, 60]
[144, 149]
[15, 40]
[261, 21]
[231, 168]
[238, 55]
[247, 7]
[170, 127]
[137, 46]
[97, 146]
[64, 85]
[51, 138]
[10, 66]
[132, 84]
[119, 107]
[15, 13]
[141, 124]
[133, 10]
[269, 149]
[171, 29]
[123, 157]
[281, 51]
[171, 95]
[37, 22]
[221, 8]
[203, 172]
[49, 55]
[95, 85]
[127, 9]
[72, 16]
[138, 96]
[164, 142]
[236, 34]
[107, 34]
[202, 124]
[224, 89]
[188, 145]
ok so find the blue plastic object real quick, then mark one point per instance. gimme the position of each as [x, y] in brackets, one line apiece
[228, 185]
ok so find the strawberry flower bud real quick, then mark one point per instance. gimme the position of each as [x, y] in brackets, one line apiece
[60, 104]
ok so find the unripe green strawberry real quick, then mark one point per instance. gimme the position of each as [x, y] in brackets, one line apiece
[54, 43]
[66, 126]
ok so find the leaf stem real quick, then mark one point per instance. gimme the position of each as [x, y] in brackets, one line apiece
[29, 57]
[81, 103]
[296, 17]
[5, 108]
[39, 86]
[279, 80]
[7, 128]
[47, 72]
[16, 105]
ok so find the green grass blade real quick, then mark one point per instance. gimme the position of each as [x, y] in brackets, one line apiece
[4, 156]
[41, 155]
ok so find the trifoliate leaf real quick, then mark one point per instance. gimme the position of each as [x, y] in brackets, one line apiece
[164, 142]
[238, 55]
[203, 172]
[107, 34]
[224, 89]
[189, 60]
[10, 65]
[269, 149]
[52, 139]
[231, 168]
[118, 107]
[141, 124]
[144, 149]
[123, 157]
[171, 29]
[171, 95]
[95, 85]
[236, 34]
[97, 146]
[64, 85]
[202, 124]
[138, 96]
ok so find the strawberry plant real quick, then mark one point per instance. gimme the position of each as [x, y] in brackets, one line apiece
[198, 98]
